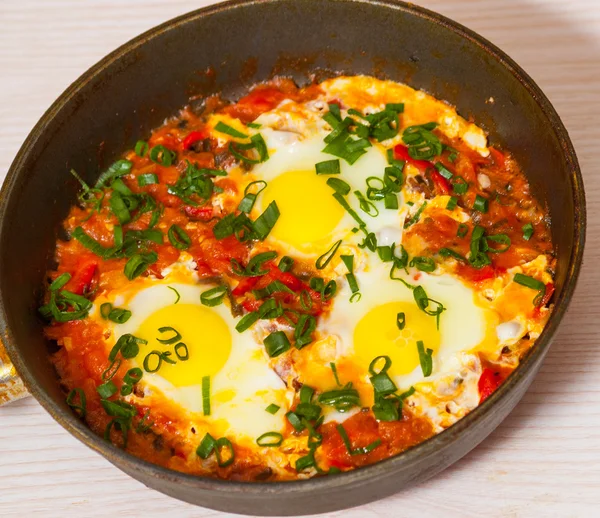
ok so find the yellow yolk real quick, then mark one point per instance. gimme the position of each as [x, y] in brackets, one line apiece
[377, 334]
[309, 213]
[203, 331]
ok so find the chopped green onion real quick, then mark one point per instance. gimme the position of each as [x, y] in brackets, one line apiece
[60, 281]
[339, 186]
[81, 407]
[366, 206]
[443, 171]
[534, 284]
[341, 399]
[527, 231]
[285, 264]
[133, 376]
[247, 321]
[206, 395]
[272, 408]
[401, 320]
[168, 341]
[111, 370]
[448, 252]
[141, 148]
[228, 130]
[459, 185]
[335, 373]
[270, 439]
[249, 198]
[387, 363]
[107, 389]
[423, 264]
[422, 143]
[117, 169]
[342, 201]
[328, 167]
[423, 302]
[324, 259]
[176, 294]
[266, 221]
[253, 268]
[303, 332]
[481, 204]
[452, 203]
[503, 239]
[214, 296]
[161, 155]
[206, 446]
[276, 343]
[183, 356]
[178, 237]
[147, 179]
[254, 125]
[127, 345]
[390, 201]
[411, 221]
[356, 451]
[463, 230]
[295, 421]
[138, 264]
[425, 358]
[161, 356]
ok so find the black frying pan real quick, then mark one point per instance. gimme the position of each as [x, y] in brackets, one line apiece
[136, 87]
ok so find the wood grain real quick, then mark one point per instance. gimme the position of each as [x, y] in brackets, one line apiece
[543, 461]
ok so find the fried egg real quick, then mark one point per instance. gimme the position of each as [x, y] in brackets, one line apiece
[242, 384]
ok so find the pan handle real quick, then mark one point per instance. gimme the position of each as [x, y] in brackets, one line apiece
[11, 386]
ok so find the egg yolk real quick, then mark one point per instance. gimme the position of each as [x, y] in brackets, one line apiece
[202, 330]
[377, 334]
[308, 211]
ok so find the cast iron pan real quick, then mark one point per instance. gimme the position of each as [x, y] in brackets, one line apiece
[136, 87]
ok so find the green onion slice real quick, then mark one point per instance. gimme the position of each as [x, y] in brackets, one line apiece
[74, 395]
[228, 130]
[356, 451]
[214, 296]
[162, 155]
[206, 395]
[178, 238]
[177, 295]
[147, 179]
[270, 439]
[182, 352]
[527, 231]
[401, 320]
[328, 167]
[206, 446]
[425, 358]
[272, 408]
[325, 259]
[168, 341]
[534, 284]
[251, 192]
[276, 343]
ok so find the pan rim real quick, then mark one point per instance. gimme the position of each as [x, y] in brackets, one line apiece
[382, 468]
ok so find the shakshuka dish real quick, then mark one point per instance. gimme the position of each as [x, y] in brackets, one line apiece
[301, 283]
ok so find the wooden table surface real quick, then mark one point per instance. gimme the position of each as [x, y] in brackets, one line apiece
[543, 461]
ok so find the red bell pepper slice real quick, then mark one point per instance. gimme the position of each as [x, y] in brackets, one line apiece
[441, 184]
[488, 383]
[202, 213]
[192, 138]
[244, 286]
[401, 153]
[81, 280]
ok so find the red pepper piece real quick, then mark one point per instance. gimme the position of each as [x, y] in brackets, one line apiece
[290, 280]
[251, 305]
[401, 153]
[488, 383]
[441, 184]
[202, 213]
[244, 286]
[192, 138]
[498, 156]
[81, 280]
